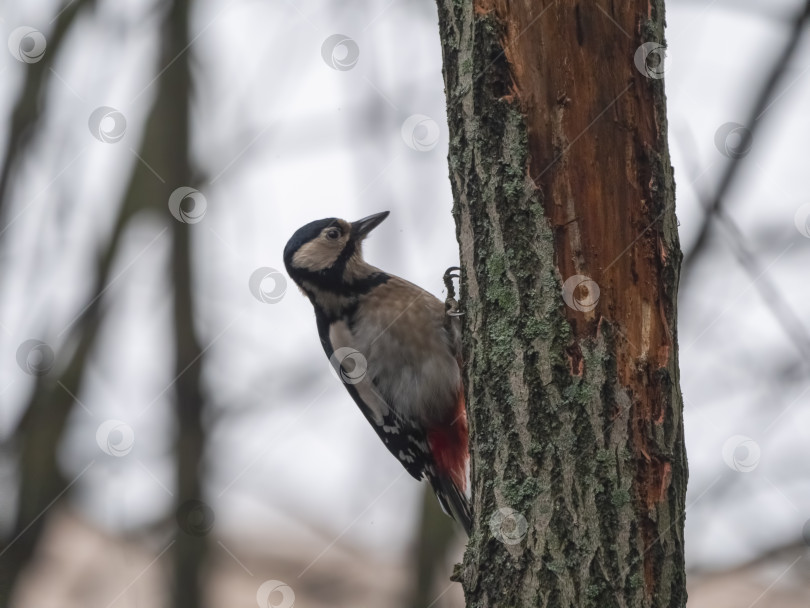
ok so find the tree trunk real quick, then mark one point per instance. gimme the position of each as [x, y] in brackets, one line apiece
[564, 206]
[170, 124]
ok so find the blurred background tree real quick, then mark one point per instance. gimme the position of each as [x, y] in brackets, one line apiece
[571, 281]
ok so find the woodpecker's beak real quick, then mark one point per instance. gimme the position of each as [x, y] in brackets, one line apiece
[361, 228]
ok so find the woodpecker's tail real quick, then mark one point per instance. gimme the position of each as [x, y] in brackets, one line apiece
[453, 501]
[449, 478]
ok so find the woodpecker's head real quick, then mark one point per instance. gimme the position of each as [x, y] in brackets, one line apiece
[327, 252]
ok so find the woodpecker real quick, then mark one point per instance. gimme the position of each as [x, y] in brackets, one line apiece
[396, 350]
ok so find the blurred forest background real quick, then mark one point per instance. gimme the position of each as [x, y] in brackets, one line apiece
[170, 434]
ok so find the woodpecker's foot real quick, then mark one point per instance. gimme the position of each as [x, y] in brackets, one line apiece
[458, 573]
[451, 306]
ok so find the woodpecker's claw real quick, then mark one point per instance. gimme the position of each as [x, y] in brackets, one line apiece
[451, 304]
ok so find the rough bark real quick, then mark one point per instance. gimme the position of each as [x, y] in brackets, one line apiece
[560, 167]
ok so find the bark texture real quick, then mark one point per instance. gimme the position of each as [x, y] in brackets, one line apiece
[560, 167]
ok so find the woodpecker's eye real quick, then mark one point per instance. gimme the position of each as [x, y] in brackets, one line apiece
[332, 234]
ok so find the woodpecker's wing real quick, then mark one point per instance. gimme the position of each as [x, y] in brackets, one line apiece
[404, 375]
[405, 440]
